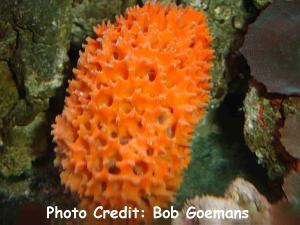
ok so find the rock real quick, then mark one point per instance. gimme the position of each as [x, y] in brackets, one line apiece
[240, 195]
[291, 126]
[87, 14]
[287, 211]
[7, 40]
[261, 4]
[273, 54]
[288, 138]
[270, 128]
[227, 20]
[246, 196]
[42, 44]
[34, 40]
[291, 188]
[8, 91]
[23, 146]
[261, 124]
[209, 203]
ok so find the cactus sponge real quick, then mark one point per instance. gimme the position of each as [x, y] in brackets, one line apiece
[139, 90]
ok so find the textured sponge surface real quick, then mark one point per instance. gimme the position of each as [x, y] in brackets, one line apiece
[139, 90]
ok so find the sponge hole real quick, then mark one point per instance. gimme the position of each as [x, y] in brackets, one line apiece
[105, 100]
[103, 186]
[161, 119]
[192, 44]
[145, 29]
[146, 200]
[151, 75]
[116, 55]
[125, 74]
[87, 125]
[171, 130]
[150, 151]
[114, 134]
[109, 100]
[99, 125]
[140, 168]
[125, 139]
[126, 107]
[114, 170]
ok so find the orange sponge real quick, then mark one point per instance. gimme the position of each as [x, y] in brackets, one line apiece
[139, 89]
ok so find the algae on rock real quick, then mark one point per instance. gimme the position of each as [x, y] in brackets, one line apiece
[34, 40]
[261, 121]
[8, 91]
[227, 20]
[265, 121]
[261, 4]
[24, 144]
[89, 13]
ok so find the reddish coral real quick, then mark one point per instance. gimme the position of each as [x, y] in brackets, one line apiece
[140, 88]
